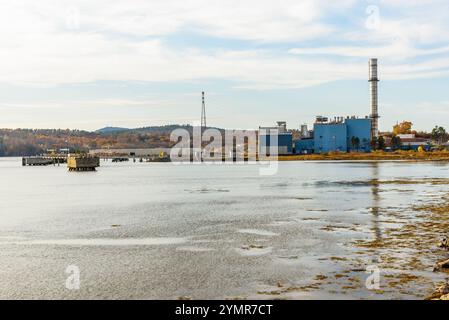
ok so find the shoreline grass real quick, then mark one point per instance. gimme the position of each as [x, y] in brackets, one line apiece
[373, 156]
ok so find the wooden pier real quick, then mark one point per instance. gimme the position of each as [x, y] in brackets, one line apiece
[83, 163]
[43, 160]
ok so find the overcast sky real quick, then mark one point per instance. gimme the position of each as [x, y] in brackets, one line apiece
[94, 63]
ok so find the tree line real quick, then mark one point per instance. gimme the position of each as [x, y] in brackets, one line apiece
[30, 142]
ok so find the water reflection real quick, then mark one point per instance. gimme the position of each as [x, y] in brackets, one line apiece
[375, 204]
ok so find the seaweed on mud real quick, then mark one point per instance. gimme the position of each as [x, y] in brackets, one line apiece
[414, 246]
[441, 293]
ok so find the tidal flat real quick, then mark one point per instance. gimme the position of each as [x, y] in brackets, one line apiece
[313, 230]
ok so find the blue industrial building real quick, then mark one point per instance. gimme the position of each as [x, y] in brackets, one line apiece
[338, 135]
[304, 146]
[358, 134]
[330, 137]
[349, 134]
[271, 136]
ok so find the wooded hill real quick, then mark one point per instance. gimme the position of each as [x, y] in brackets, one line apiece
[29, 142]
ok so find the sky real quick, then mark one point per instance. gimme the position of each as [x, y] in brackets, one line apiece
[88, 64]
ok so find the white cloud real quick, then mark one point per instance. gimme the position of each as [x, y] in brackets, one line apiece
[395, 51]
[264, 20]
[49, 42]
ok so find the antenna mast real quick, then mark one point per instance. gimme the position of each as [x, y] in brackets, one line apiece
[203, 114]
[203, 122]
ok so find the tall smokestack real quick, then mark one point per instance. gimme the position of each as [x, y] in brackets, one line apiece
[373, 80]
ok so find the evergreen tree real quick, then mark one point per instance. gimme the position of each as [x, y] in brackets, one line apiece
[439, 134]
[381, 143]
[396, 142]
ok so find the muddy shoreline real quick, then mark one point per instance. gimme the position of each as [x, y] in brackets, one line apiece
[411, 253]
[425, 239]
[411, 156]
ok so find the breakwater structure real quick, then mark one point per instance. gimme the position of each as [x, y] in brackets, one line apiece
[83, 163]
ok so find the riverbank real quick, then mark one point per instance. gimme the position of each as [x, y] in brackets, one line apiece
[373, 156]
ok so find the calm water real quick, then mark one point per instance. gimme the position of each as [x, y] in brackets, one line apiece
[141, 230]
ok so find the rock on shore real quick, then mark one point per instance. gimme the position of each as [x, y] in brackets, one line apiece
[442, 293]
[442, 265]
[445, 243]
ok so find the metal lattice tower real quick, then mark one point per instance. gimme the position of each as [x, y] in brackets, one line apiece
[203, 123]
[373, 80]
[203, 114]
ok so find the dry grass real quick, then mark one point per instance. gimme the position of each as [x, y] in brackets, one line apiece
[376, 155]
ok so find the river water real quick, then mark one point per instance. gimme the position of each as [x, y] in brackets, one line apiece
[159, 230]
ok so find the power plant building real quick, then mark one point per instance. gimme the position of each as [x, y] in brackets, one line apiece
[350, 134]
[342, 135]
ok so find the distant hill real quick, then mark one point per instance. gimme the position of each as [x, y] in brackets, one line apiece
[163, 129]
[107, 130]
[160, 129]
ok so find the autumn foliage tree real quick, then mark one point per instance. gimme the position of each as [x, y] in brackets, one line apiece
[404, 127]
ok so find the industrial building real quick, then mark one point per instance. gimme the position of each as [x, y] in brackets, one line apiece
[305, 146]
[410, 142]
[270, 137]
[340, 134]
